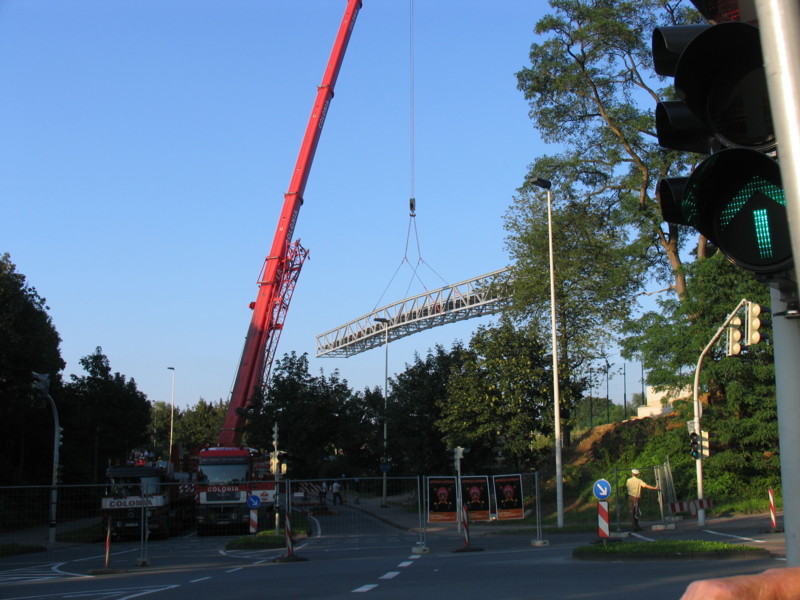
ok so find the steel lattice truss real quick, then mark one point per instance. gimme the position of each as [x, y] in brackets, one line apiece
[476, 297]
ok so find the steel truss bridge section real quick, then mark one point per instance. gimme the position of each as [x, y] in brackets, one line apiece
[483, 295]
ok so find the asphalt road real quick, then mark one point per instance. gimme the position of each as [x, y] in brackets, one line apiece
[376, 563]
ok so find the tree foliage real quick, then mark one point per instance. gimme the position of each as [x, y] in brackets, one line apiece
[104, 417]
[199, 425]
[738, 391]
[417, 445]
[29, 343]
[592, 90]
[314, 419]
[501, 399]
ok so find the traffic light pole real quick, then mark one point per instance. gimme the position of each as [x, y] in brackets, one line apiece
[698, 409]
[781, 49]
[786, 334]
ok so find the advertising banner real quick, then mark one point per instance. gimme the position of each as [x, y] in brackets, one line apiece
[508, 493]
[442, 503]
[475, 496]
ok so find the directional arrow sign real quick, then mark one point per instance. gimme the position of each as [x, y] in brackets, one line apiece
[601, 489]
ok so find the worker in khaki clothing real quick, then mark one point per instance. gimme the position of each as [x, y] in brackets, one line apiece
[634, 485]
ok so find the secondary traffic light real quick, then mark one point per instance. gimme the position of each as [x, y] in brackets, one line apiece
[458, 454]
[694, 445]
[273, 462]
[705, 440]
[734, 337]
[756, 319]
[735, 197]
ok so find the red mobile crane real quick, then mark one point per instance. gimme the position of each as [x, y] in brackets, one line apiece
[282, 266]
[233, 481]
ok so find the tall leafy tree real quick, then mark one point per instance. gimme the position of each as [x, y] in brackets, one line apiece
[105, 417]
[738, 392]
[199, 425]
[418, 394]
[500, 402]
[29, 343]
[592, 90]
[311, 416]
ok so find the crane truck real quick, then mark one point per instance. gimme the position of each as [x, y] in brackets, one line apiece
[145, 495]
[225, 486]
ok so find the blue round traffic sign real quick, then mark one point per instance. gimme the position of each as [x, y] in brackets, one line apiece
[254, 502]
[601, 489]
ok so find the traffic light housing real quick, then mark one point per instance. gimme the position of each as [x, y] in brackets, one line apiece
[756, 319]
[273, 462]
[734, 337]
[694, 445]
[705, 441]
[458, 454]
[735, 197]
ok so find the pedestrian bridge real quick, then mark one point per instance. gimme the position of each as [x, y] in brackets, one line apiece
[483, 295]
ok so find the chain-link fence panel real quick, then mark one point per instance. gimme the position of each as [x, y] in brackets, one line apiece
[358, 512]
[26, 519]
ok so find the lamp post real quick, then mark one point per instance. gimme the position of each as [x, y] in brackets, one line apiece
[41, 385]
[171, 412]
[546, 185]
[385, 459]
[608, 398]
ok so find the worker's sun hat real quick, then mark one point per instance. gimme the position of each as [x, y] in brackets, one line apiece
[635, 471]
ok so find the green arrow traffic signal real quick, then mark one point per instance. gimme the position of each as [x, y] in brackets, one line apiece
[736, 199]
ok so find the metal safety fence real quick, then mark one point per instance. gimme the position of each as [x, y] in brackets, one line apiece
[333, 513]
[653, 506]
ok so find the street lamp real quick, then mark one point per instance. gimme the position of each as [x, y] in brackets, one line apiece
[385, 460]
[171, 412]
[546, 185]
[41, 384]
[608, 398]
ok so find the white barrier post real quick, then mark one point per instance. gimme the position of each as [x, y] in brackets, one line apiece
[602, 519]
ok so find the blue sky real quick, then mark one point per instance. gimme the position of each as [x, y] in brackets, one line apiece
[147, 145]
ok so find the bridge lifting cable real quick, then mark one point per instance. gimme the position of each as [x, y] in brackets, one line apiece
[412, 201]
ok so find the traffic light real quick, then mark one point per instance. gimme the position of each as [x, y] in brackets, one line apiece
[734, 337]
[60, 436]
[735, 197]
[705, 440]
[756, 319]
[273, 462]
[458, 454]
[694, 445]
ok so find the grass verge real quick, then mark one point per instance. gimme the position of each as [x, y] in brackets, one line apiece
[667, 549]
[14, 549]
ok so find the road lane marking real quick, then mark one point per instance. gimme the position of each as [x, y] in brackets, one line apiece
[405, 563]
[389, 575]
[736, 537]
[199, 580]
[365, 588]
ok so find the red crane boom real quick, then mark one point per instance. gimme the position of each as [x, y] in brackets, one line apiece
[282, 265]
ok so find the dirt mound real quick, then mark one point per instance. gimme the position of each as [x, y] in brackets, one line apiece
[582, 450]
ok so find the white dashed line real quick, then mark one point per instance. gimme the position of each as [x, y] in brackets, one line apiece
[389, 575]
[736, 537]
[199, 580]
[365, 588]
[405, 563]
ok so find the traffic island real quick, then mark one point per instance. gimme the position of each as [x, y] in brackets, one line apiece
[670, 550]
